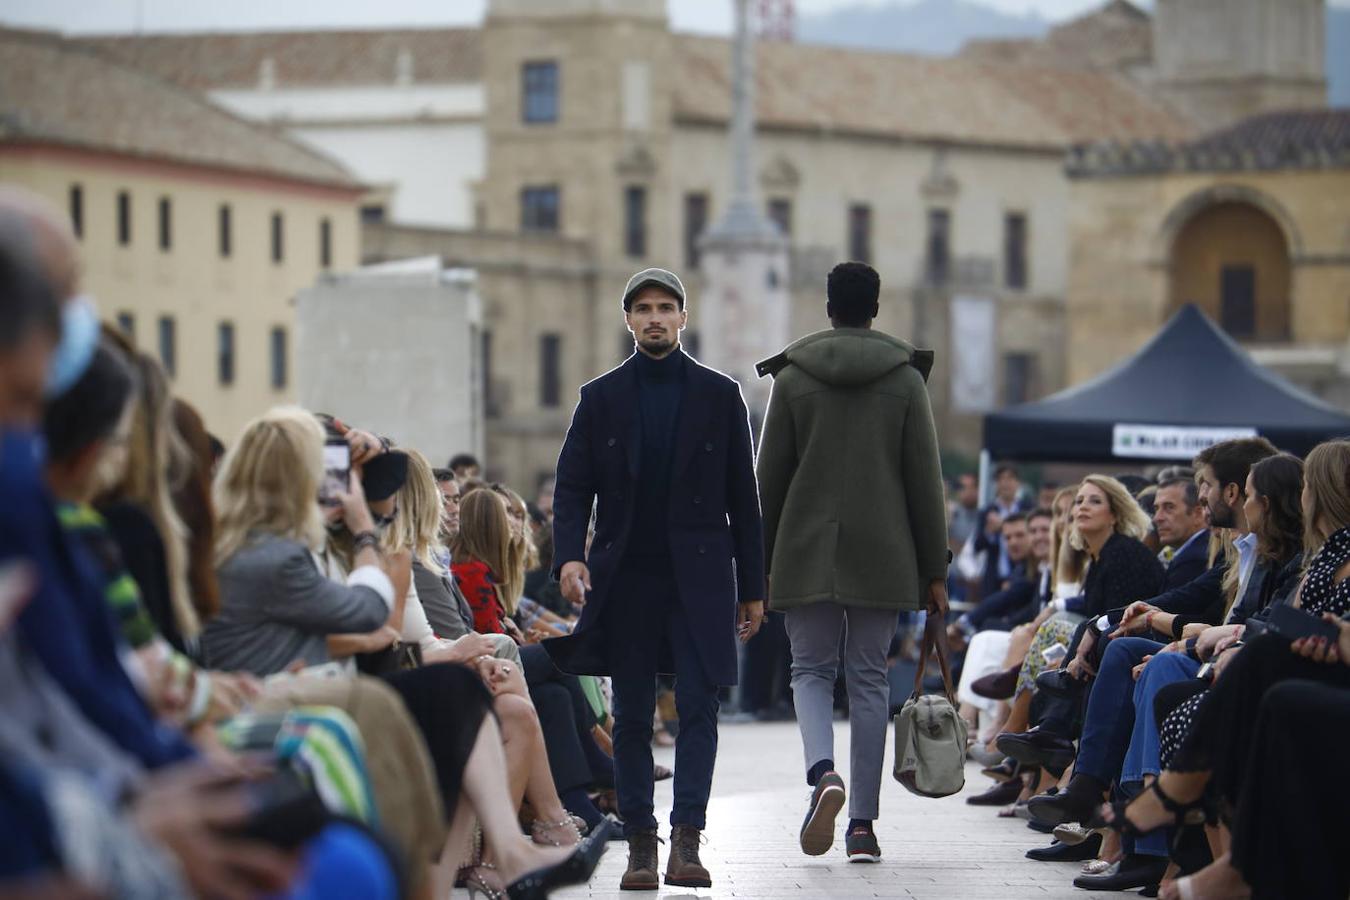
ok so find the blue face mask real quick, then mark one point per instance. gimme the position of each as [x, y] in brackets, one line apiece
[79, 338]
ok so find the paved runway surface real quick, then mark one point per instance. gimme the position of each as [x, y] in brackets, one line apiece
[931, 849]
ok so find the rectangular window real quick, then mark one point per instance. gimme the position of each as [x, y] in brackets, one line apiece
[223, 231]
[938, 260]
[539, 92]
[165, 224]
[325, 243]
[372, 213]
[225, 353]
[77, 209]
[635, 221]
[1019, 377]
[126, 322]
[780, 213]
[1015, 251]
[550, 370]
[695, 222]
[278, 358]
[168, 345]
[1237, 300]
[539, 208]
[278, 251]
[123, 218]
[860, 232]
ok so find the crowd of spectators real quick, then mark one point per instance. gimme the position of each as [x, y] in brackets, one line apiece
[1158, 674]
[232, 668]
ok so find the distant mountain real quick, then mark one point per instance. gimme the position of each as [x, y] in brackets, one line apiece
[940, 27]
[933, 27]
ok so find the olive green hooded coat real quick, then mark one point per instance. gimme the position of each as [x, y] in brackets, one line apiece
[849, 477]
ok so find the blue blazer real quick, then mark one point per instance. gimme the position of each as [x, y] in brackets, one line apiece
[716, 536]
[1189, 564]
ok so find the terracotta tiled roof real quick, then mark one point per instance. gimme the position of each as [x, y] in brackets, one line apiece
[1295, 139]
[957, 99]
[301, 58]
[54, 90]
[920, 97]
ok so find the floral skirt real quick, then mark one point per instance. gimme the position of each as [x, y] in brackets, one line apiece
[1058, 629]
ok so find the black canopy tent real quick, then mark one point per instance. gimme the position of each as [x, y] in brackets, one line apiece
[1189, 386]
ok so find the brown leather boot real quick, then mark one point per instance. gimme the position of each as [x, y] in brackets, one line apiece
[684, 868]
[642, 863]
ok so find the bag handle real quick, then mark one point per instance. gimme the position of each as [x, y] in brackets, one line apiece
[935, 641]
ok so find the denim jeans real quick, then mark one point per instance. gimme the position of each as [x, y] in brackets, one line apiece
[644, 617]
[1109, 722]
[1142, 756]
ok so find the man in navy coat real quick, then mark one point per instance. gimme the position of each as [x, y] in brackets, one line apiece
[660, 449]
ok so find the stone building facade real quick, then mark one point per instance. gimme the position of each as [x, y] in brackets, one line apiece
[196, 228]
[1249, 223]
[604, 148]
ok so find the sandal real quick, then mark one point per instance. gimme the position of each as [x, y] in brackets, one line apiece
[539, 831]
[1197, 812]
[477, 884]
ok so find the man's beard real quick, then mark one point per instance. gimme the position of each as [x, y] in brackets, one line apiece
[1221, 515]
[656, 344]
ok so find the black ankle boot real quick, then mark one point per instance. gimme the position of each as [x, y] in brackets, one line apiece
[1076, 803]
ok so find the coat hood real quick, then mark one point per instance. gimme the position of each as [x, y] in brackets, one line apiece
[849, 357]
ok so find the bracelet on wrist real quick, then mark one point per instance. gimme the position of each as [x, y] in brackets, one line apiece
[363, 539]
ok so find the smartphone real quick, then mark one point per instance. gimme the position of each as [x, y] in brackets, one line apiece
[1293, 623]
[337, 469]
[1054, 654]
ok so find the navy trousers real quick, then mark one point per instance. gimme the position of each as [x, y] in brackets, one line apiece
[642, 614]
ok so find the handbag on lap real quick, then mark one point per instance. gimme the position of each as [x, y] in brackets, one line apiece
[930, 735]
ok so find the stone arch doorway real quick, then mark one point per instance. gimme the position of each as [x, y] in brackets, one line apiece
[1231, 259]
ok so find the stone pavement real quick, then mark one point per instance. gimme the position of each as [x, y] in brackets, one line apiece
[931, 849]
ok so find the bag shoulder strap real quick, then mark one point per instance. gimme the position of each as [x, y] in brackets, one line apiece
[935, 642]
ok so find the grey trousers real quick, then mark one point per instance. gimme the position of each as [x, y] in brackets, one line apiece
[814, 632]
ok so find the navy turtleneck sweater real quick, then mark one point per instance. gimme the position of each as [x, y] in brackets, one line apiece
[660, 392]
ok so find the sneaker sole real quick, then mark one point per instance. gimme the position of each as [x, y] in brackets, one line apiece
[864, 857]
[817, 835]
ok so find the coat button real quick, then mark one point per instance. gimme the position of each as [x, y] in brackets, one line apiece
[612, 442]
[698, 500]
[702, 549]
[708, 447]
[609, 544]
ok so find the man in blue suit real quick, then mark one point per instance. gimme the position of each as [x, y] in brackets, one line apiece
[660, 449]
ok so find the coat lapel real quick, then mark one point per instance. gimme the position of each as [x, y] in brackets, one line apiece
[623, 401]
[692, 427]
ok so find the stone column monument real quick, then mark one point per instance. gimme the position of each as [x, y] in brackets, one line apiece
[745, 313]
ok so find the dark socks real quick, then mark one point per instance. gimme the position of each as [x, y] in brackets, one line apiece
[578, 803]
[859, 823]
[814, 774]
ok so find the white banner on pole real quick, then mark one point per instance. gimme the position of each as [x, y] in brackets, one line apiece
[1169, 441]
[974, 353]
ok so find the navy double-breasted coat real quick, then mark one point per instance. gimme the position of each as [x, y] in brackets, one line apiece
[716, 536]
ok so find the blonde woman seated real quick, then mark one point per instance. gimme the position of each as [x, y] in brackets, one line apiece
[277, 607]
[414, 534]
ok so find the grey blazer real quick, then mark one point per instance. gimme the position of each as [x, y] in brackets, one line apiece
[277, 607]
[447, 610]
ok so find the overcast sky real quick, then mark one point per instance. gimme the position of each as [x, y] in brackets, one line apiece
[197, 15]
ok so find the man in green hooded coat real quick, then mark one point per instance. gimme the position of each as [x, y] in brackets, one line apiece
[854, 531]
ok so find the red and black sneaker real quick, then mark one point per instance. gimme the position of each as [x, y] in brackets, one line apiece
[861, 845]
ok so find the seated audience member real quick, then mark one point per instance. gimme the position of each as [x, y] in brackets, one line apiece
[481, 560]
[988, 538]
[1120, 738]
[1017, 590]
[277, 607]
